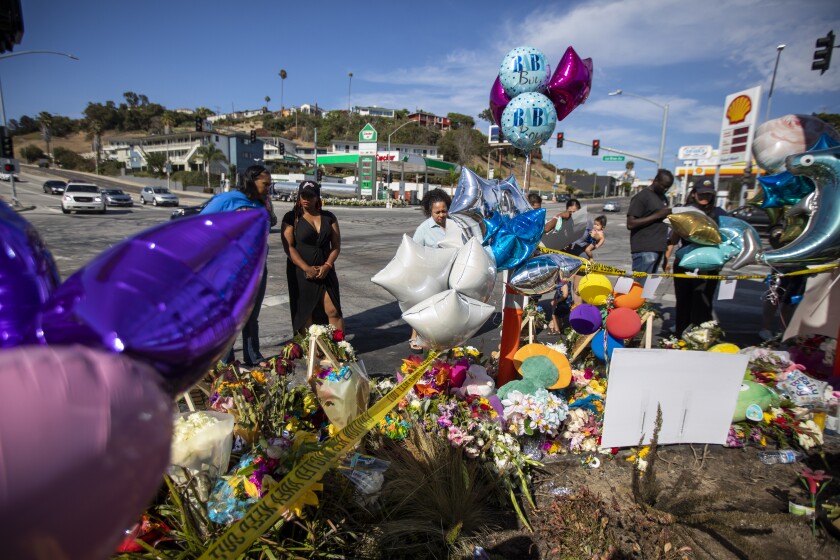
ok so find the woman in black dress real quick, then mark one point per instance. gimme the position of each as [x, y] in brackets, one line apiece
[312, 241]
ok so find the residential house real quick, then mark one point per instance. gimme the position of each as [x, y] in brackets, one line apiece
[428, 119]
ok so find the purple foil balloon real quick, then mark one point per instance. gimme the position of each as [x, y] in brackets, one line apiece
[570, 84]
[173, 296]
[85, 441]
[498, 101]
[28, 276]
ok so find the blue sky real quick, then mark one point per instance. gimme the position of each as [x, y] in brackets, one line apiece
[433, 55]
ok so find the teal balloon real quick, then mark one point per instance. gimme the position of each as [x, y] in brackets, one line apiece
[524, 70]
[492, 224]
[825, 142]
[733, 231]
[784, 189]
[705, 257]
[753, 393]
[597, 344]
[529, 227]
[528, 121]
[508, 250]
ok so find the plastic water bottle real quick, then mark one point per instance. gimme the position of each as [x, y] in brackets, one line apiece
[781, 456]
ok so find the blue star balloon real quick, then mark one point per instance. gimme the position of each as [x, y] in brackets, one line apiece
[825, 142]
[517, 239]
[784, 189]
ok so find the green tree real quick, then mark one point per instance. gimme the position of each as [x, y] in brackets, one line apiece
[831, 118]
[208, 154]
[156, 162]
[487, 115]
[460, 120]
[45, 121]
[283, 74]
[32, 153]
[168, 120]
[462, 145]
[68, 159]
[203, 112]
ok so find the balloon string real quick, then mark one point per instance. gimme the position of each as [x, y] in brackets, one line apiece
[590, 266]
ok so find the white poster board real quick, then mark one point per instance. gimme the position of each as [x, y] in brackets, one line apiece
[570, 230]
[819, 310]
[698, 392]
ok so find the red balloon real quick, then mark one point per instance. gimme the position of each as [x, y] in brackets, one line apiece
[623, 323]
[84, 441]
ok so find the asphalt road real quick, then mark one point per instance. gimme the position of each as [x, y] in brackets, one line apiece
[370, 238]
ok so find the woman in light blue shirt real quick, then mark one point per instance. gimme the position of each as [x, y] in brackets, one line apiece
[436, 208]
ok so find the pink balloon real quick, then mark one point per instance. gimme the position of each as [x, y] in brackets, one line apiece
[570, 84]
[498, 101]
[84, 440]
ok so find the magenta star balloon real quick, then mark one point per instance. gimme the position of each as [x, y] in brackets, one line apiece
[570, 84]
[28, 276]
[173, 296]
[498, 100]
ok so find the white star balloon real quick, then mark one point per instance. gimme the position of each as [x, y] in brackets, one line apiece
[473, 272]
[416, 272]
[448, 319]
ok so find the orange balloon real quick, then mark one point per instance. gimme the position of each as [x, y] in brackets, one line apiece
[632, 299]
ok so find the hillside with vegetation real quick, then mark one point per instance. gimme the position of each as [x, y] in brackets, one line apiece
[73, 143]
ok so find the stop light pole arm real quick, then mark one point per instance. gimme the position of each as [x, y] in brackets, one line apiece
[613, 150]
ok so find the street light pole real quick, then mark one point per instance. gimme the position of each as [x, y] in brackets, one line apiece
[664, 121]
[779, 50]
[3, 108]
[349, 85]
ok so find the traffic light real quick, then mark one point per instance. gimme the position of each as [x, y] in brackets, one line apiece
[559, 139]
[822, 56]
[199, 124]
[281, 148]
[7, 150]
[596, 147]
[320, 175]
[253, 136]
[8, 168]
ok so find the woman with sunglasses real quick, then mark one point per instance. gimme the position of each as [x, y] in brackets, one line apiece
[254, 195]
[312, 242]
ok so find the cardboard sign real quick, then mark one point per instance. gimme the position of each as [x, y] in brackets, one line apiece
[697, 391]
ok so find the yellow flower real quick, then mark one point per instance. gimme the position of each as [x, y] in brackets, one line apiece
[332, 430]
[309, 497]
[768, 417]
[292, 424]
[641, 454]
[309, 403]
[763, 441]
[258, 375]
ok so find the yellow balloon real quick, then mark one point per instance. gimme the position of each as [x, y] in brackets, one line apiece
[725, 348]
[594, 288]
[695, 227]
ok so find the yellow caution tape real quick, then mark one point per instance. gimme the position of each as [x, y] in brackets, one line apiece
[265, 513]
[615, 271]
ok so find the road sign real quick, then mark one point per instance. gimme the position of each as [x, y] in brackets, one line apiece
[613, 158]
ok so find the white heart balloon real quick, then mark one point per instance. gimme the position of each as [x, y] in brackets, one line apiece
[416, 272]
[448, 319]
[473, 272]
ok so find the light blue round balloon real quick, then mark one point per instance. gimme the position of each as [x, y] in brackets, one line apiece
[523, 70]
[528, 121]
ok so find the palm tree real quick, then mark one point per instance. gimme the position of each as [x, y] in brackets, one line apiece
[209, 154]
[283, 75]
[45, 119]
[167, 120]
[96, 128]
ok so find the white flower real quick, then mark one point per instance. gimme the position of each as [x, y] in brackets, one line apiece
[318, 330]
[807, 441]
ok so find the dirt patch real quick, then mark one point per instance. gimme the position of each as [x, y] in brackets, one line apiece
[710, 502]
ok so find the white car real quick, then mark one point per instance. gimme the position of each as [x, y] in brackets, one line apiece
[82, 197]
[158, 196]
[611, 206]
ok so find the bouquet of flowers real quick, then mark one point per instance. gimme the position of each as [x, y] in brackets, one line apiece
[785, 426]
[541, 412]
[695, 337]
[343, 388]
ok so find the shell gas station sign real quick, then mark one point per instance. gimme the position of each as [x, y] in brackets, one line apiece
[740, 116]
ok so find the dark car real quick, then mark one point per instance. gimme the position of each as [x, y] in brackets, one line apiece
[54, 187]
[188, 211]
[563, 197]
[116, 197]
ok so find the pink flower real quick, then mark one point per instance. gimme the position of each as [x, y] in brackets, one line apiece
[813, 478]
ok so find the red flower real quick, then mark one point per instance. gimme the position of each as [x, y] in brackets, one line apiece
[338, 336]
[813, 478]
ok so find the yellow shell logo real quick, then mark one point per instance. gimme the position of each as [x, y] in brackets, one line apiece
[738, 109]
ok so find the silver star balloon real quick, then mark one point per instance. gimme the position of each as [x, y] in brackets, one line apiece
[512, 200]
[474, 197]
[539, 275]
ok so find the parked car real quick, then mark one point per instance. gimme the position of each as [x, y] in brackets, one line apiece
[158, 196]
[54, 187]
[611, 206]
[82, 196]
[116, 197]
[188, 211]
[8, 176]
[565, 197]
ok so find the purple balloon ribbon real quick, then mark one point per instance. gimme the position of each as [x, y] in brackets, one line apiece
[174, 296]
[570, 84]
